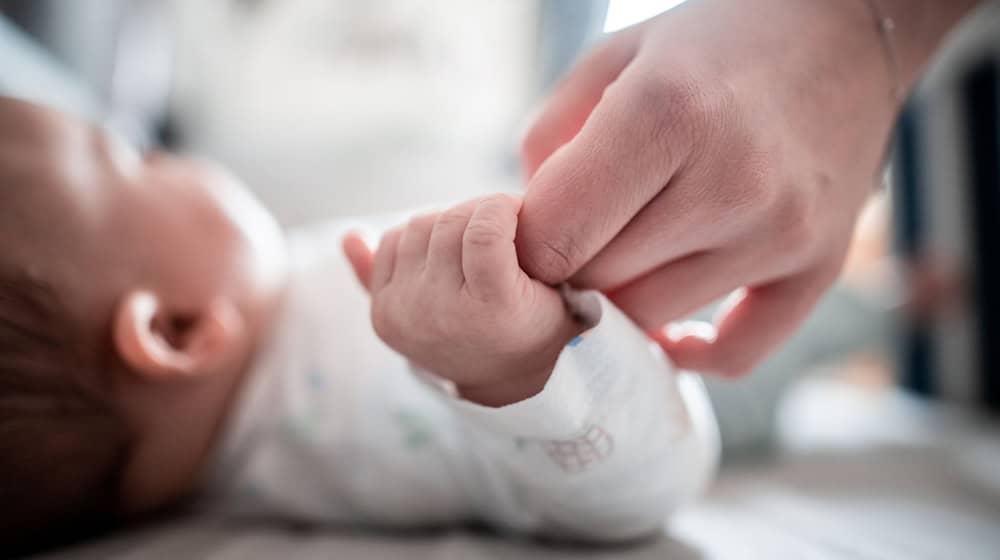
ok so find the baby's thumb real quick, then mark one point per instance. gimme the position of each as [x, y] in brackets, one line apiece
[361, 257]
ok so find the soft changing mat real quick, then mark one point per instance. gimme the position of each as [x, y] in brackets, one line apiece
[890, 478]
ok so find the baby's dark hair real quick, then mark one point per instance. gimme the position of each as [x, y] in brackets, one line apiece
[63, 445]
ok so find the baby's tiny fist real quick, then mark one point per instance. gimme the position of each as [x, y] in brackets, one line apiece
[448, 294]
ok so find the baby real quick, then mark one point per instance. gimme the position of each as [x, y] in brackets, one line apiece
[161, 339]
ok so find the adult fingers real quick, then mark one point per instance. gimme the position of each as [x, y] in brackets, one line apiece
[575, 97]
[663, 232]
[385, 259]
[444, 254]
[680, 287]
[361, 257]
[413, 243]
[489, 261]
[750, 327]
[702, 208]
[584, 194]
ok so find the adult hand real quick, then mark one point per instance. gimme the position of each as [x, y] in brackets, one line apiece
[722, 145]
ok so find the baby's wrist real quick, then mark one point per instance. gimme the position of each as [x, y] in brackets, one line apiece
[525, 377]
[507, 391]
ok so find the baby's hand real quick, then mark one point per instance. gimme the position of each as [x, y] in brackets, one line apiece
[448, 293]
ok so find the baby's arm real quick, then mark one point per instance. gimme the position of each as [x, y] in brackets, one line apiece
[590, 436]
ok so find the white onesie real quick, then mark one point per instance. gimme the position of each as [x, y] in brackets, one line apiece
[332, 426]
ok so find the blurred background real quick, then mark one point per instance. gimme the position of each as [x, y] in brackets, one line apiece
[326, 107]
[331, 108]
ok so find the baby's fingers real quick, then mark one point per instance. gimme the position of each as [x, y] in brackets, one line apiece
[489, 260]
[361, 258]
[411, 256]
[385, 260]
[444, 256]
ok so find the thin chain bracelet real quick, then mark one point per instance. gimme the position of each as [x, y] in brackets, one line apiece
[886, 28]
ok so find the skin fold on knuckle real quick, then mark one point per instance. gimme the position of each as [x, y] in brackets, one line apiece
[484, 233]
[551, 259]
[451, 219]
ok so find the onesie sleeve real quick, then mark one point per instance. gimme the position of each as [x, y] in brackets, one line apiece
[615, 441]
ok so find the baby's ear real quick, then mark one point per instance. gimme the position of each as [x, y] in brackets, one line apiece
[158, 342]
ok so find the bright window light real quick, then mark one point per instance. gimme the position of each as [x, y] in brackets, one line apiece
[623, 13]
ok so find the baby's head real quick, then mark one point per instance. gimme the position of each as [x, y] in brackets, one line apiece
[133, 291]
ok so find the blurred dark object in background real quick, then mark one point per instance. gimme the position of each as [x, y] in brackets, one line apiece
[308, 100]
[120, 51]
[947, 195]
[31, 72]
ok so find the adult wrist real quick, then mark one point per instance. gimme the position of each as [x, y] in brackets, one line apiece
[917, 29]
